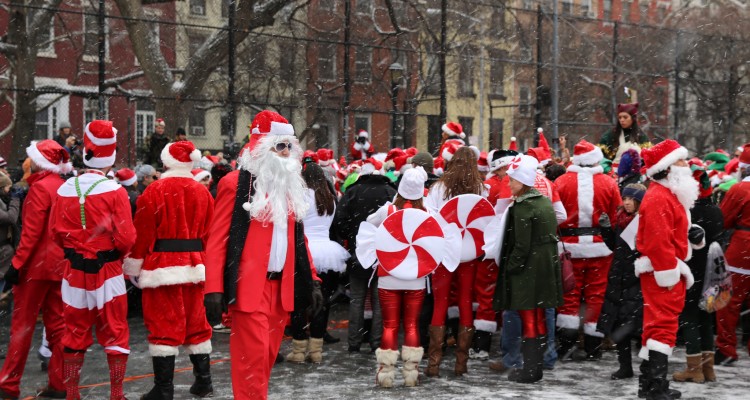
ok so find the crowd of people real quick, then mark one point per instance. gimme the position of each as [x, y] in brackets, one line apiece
[563, 253]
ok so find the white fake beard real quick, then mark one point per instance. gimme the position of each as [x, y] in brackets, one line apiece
[680, 181]
[279, 186]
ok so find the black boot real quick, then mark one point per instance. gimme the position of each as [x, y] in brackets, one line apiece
[533, 361]
[566, 343]
[593, 347]
[643, 382]
[658, 385]
[624, 358]
[481, 346]
[202, 372]
[163, 379]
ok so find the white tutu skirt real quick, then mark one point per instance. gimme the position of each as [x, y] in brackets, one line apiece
[328, 255]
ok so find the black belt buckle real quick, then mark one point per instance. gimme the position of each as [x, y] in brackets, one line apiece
[273, 276]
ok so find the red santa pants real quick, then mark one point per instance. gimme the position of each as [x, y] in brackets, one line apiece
[255, 342]
[591, 284]
[28, 298]
[441, 288]
[96, 299]
[727, 317]
[533, 323]
[661, 314]
[175, 316]
[484, 292]
[394, 304]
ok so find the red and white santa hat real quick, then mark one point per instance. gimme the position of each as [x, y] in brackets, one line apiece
[513, 145]
[125, 176]
[454, 129]
[268, 122]
[160, 122]
[325, 157]
[482, 164]
[370, 166]
[523, 169]
[449, 149]
[363, 133]
[99, 144]
[200, 174]
[180, 155]
[585, 153]
[745, 156]
[662, 156]
[50, 156]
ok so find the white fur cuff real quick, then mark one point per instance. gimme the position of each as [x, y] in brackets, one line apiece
[656, 345]
[589, 329]
[568, 321]
[132, 266]
[412, 353]
[486, 326]
[160, 350]
[175, 275]
[200, 348]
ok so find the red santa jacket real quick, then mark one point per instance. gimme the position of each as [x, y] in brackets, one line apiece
[174, 207]
[736, 210]
[498, 188]
[586, 194]
[362, 151]
[38, 256]
[109, 224]
[662, 237]
[255, 254]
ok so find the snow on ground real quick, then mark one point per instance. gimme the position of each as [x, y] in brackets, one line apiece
[342, 376]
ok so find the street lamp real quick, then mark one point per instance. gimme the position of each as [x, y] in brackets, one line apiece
[397, 72]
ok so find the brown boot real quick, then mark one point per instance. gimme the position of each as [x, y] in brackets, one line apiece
[435, 351]
[693, 372]
[465, 334]
[707, 360]
[498, 366]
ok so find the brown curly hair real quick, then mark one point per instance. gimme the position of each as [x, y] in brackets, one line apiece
[461, 174]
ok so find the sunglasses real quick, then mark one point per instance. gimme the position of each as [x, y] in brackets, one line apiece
[283, 145]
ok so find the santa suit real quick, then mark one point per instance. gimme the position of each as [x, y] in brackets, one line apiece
[40, 262]
[264, 299]
[736, 210]
[172, 221]
[662, 240]
[93, 287]
[586, 194]
[360, 151]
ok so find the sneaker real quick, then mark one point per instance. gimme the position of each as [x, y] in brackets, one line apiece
[721, 359]
[221, 328]
[481, 355]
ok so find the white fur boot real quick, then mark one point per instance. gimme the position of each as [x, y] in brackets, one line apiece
[411, 356]
[297, 355]
[386, 367]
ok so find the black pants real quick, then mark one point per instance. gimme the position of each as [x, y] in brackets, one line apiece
[319, 322]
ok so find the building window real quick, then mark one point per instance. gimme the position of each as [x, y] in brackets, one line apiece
[466, 123]
[364, 7]
[496, 133]
[498, 19]
[625, 17]
[466, 73]
[497, 74]
[567, 7]
[195, 41]
[524, 97]
[328, 5]
[144, 126]
[434, 133]
[327, 61]
[431, 77]
[46, 38]
[585, 7]
[91, 110]
[528, 4]
[607, 10]
[362, 123]
[661, 12]
[363, 65]
[198, 7]
[197, 121]
[286, 60]
[225, 8]
[643, 8]
[91, 36]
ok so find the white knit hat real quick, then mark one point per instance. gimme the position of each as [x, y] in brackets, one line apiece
[523, 169]
[412, 182]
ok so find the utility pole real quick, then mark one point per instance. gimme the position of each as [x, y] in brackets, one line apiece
[443, 50]
[676, 128]
[613, 92]
[231, 118]
[102, 61]
[538, 103]
[345, 136]
[555, 77]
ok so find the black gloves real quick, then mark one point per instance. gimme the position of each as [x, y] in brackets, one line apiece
[317, 299]
[608, 234]
[13, 276]
[214, 303]
[17, 192]
[696, 234]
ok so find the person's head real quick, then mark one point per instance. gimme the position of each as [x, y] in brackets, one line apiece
[632, 196]
[587, 154]
[202, 176]
[423, 159]
[5, 185]
[411, 189]
[627, 121]
[146, 174]
[461, 174]
[65, 129]
[743, 166]
[362, 136]
[554, 171]
[453, 130]
[179, 158]
[159, 126]
[48, 155]
[3, 166]
[315, 179]
[126, 177]
[219, 171]
[522, 174]
[180, 134]
[666, 163]
[499, 161]
[100, 145]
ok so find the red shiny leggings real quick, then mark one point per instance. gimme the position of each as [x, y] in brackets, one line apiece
[394, 304]
[441, 289]
[533, 323]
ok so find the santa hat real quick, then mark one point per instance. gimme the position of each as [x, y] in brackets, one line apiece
[547, 152]
[745, 156]
[513, 145]
[393, 153]
[539, 154]
[370, 166]
[363, 133]
[400, 162]
[449, 149]
[200, 174]
[180, 155]
[662, 156]
[3, 163]
[49, 156]
[125, 176]
[310, 155]
[454, 129]
[99, 144]
[523, 169]
[325, 157]
[630, 108]
[160, 122]
[482, 164]
[411, 186]
[699, 174]
[501, 158]
[732, 166]
[208, 162]
[585, 153]
[268, 122]
[342, 162]
[438, 166]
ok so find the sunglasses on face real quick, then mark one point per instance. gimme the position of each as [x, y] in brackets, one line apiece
[283, 145]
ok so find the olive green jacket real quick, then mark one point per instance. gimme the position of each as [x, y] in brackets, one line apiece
[529, 274]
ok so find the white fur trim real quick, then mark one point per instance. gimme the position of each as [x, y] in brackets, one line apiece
[160, 350]
[585, 202]
[453, 312]
[33, 152]
[413, 354]
[447, 156]
[643, 353]
[568, 321]
[589, 328]
[671, 158]
[642, 265]
[68, 189]
[585, 250]
[132, 266]
[172, 163]
[363, 134]
[177, 172]
[101, 162]
[686, 273]
[668, 277]
[201, 176]
[101, 141]
[597, 169]
[742, 165]
[386, 356]
[176, 275]
[357, 146]
[592, 157]
[118, 349]
[486, 326]
[128, 182]
[83, 299]
[199, 348]
[280, 128]
[656, 345]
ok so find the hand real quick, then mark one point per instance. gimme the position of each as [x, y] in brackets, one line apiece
[214, 303]
[696, 234]
[562, 141]
[604, 221]
[13, 276]
[134, 281]
[317, 299]
[70, 141]
[17, 192]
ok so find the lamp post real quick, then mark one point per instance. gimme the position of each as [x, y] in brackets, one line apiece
[397, 72]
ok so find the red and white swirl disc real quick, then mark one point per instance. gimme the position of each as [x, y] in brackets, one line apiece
[409, 244]
[471, 213]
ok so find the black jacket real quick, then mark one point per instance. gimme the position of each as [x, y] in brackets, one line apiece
[155, 145]
[709, 217]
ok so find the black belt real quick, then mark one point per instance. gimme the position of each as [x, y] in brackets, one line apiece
[89, 265]
[580, 231]
[178, 245]
[742, 228]
[273, 276]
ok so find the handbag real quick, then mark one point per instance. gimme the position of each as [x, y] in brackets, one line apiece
[717, 284]
[566, 269]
